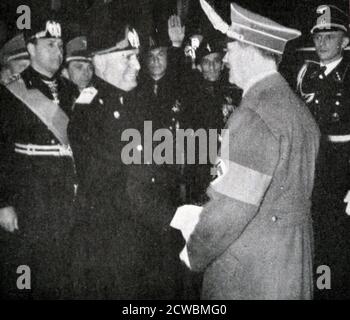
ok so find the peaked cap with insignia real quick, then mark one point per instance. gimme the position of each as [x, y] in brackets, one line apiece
[252, 28]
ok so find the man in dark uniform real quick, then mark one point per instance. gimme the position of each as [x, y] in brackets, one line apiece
[79, 68]
[210, 101]
[160, 80]
[156, 189]
[13, 58]
[210, 86]
[105, 261]
[324, 86]
[161, 83]
[37, 169]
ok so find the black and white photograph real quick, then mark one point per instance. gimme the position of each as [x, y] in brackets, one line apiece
[174, 150]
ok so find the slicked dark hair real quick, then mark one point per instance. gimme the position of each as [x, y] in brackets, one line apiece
[277, 58]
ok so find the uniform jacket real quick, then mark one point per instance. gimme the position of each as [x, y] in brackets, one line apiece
[328, 99]
[254, 237]
[95, 132]
[20, 125]
[154, 192]
[40, 188]
[208, 106]
[164, 107]
[104, 238]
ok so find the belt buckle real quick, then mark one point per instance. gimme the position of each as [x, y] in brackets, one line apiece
[31, 150]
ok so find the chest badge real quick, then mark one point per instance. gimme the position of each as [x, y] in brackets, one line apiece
[308, 97]
[176, 106]
[338, 78]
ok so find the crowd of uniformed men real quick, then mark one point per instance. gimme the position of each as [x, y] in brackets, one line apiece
[90, 226]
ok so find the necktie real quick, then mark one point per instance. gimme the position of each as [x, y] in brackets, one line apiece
[155, 89]
[321, 72]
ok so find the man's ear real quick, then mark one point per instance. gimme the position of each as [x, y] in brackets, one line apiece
[99, 64]
[65, 73]
[345, 43]
[31, 49]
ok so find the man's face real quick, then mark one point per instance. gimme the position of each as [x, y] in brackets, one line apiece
[235, 60]
[157, 62]
[329, 45]
[18, 65]
[122, 68]
[211, 66]
[80, 72]
[47, 54]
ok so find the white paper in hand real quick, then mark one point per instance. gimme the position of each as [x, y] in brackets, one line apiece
[185, 219]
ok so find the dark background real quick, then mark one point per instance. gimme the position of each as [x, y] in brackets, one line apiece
[144, 13]
[94, 16]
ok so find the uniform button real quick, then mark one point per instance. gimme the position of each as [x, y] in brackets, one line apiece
[116, 114]
[274, 219]
[171, 128]
[153, 180]
[53, 142]
[282, 187]
[337, 103]
[100, 101]
[316, 101]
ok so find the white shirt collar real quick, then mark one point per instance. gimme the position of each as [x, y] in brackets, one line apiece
[252, 81]
[331, 66]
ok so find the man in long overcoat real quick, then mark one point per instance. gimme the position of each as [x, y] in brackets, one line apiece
[254, 236]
